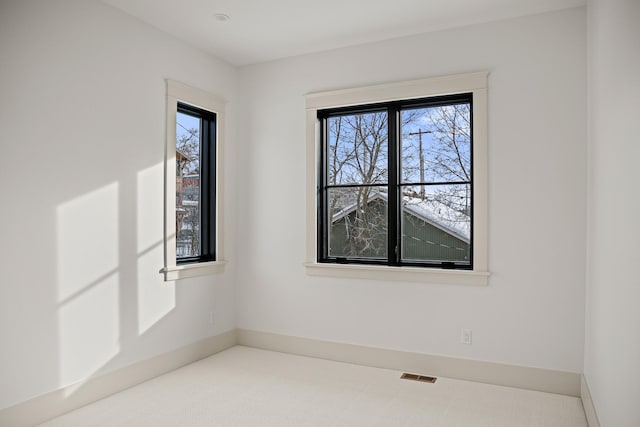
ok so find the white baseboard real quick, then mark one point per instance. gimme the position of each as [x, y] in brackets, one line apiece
[560, 382]
[587, 403]
[58, 402]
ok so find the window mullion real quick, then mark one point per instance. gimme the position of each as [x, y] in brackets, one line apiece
[322, 212]
[208, 199]
[204, 185]
[393, 211]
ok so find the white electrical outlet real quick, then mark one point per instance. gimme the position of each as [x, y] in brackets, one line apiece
[212, 317]
[466, 336]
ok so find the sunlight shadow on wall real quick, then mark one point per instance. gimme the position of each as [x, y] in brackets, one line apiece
[88, 282]
[156, 298]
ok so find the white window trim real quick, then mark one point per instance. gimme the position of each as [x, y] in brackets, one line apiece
[460, 83]
[179, 92]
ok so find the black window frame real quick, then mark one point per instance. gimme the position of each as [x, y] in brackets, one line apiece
[207, 161]
[394, 216]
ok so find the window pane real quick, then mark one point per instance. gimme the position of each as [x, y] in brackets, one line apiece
[187, 185]
[436, 144]
[357, 149]
[357, 222]
[436, 223]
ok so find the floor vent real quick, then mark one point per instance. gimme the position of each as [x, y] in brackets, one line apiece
[421, 378]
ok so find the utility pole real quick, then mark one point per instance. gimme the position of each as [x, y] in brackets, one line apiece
[420, 133]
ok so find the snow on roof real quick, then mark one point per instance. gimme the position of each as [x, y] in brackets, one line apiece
[433, 212]
[440, 215]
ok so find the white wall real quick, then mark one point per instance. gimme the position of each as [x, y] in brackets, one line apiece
[612, 346]
[532, 312]
[82, 133]
[82, 136]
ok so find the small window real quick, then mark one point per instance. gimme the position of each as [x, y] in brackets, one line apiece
[397, 181]
[193, 173]
[195, 184]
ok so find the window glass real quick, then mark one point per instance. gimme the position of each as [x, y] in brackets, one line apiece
[357, 149]
[358, 225]
[436, 183]
[397, 183]
[188, 221]
[436, 223]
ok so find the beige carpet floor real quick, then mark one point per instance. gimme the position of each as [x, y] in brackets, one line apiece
[249, 387]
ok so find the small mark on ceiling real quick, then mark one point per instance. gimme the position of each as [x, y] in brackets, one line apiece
[222, 17]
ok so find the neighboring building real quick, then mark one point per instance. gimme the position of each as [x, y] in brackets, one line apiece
[431, 230]
[181, 161]
[187, 208]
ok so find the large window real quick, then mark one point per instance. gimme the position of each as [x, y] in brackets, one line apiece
[193, 182]
[397, 181]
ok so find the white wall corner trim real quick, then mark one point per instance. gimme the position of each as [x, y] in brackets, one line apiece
[587, 403]
[537, 379]
[69, 398]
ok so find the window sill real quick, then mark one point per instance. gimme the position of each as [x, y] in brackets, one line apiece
[410, 274]
[192, 270]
